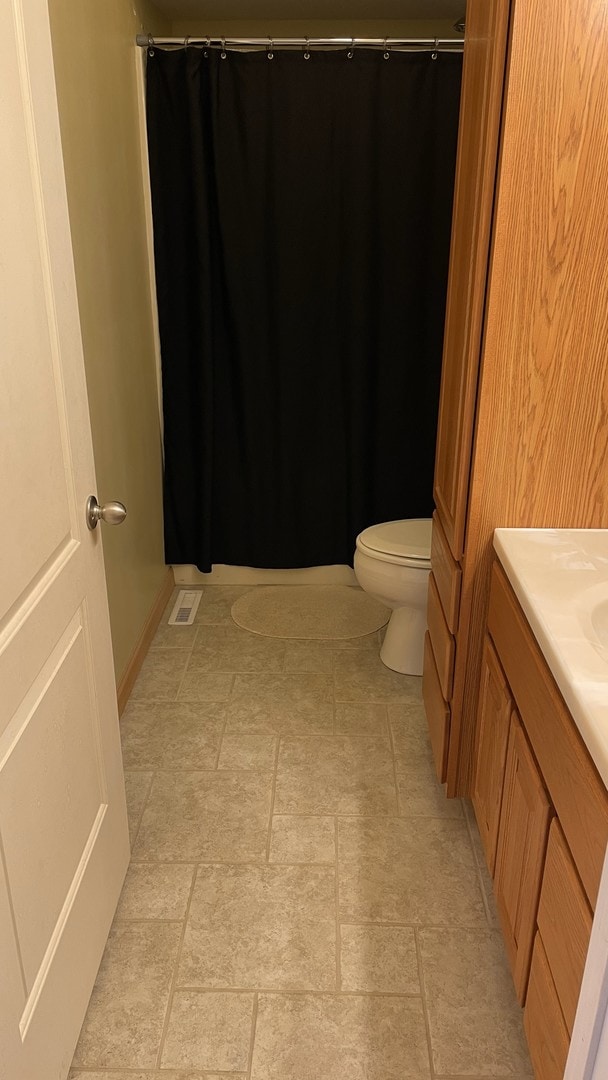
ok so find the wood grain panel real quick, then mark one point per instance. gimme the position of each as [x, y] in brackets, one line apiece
[564, 921]
[541, 447]
[522, 842]
[441, 640]
[436, 709]
[495, 708]
[575, 786]
[480, 108]
[544, 1024]
[447, 574]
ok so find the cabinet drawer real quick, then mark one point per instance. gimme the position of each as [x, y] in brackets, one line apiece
[437, 710]
[575, 787]
[447, 574]
[493, 719]
[522, 842]
[564, 921]
[442, 641]
[544, 1024]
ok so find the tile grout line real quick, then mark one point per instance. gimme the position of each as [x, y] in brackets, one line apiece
[254, 1022]
[484, 898]
[181, 681]
[392, 745]
[338, 930]
[272, 798]
[425, 1011]
[174, 978]
[144, 807]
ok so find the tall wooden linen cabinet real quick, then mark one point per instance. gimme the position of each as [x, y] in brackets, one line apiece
[523, 421]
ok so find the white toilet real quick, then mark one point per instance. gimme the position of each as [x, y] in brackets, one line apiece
[392, 564]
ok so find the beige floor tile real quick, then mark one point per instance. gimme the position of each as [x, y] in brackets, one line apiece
[369, 642]
[174, 637]
[271, 927]
[484, 874]
[171, 734]
[338, 774]
[285, 719]
[216, 603]
[229, 648]
[410, 734]
[420, 794]
[475, 1021]
[250, 752]
[200, 686]
[209, 1031]
[77, 1074]
[418, 871]
[361, 720]
[155, 891]
[380, 959]
[301, 1037]
[124, 1021]
[302, 839]
[161, 674]
[213, 816]
[137, 787]
[308, 656]
[364, 678]
[291, 690]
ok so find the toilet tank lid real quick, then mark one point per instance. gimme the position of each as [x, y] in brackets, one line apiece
[410, 538]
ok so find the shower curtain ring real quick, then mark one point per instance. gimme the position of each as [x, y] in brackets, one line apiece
[351, 51]
[207, 46]
[186, 41]
[387, 51]
[223, 52]
[270, 53]
[150, 45]
[306, 51]
[434, 52]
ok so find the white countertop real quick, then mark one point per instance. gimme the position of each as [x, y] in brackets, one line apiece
[560, 577]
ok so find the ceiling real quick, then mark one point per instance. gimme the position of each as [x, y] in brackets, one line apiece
[312, 9]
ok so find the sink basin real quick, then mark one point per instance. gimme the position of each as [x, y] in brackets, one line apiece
[599, 622]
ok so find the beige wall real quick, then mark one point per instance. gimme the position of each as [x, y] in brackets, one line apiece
[95, 67]
[315, 27]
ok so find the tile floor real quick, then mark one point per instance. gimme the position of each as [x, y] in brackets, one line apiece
[303, 903]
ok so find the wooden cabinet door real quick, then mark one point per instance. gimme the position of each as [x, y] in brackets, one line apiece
[522, 842]
[482, 88]
[544, 1025]
[495, 707]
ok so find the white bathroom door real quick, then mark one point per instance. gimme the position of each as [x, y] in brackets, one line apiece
[63, 830]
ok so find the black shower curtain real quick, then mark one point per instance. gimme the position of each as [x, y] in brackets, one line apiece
[301, 224]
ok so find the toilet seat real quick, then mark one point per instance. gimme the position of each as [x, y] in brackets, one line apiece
[404, 543]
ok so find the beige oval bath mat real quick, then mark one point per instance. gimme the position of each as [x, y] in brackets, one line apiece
[309, 611]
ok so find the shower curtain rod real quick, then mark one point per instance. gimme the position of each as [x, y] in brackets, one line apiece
[439, 44]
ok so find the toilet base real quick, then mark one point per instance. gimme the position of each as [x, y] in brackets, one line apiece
[403, 646]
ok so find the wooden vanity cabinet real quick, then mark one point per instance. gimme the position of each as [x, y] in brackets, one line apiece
[542, 810]
[525, 343]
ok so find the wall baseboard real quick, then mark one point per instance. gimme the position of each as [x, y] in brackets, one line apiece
[250, 575]
[138, 655]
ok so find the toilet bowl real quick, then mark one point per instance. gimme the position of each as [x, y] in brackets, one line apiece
[392, 564]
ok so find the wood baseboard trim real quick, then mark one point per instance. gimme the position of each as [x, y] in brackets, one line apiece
[138, 655]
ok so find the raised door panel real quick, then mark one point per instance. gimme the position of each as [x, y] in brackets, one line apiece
[544, 1024]
[447, 574]
[564, 921]
[436, 709]
[495, 706]
[522, 841]
[441, 640]
[482, 89]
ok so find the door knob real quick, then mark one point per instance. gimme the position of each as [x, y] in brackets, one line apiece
[113, 513]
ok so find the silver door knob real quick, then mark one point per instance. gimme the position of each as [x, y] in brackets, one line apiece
[113, 513]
